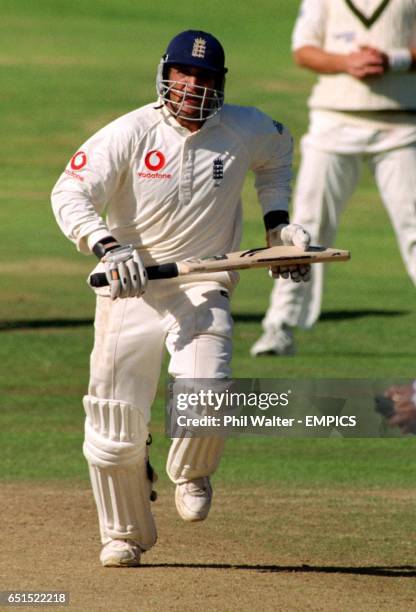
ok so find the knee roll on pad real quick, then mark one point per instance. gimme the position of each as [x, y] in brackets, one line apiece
[191, 458]
[115, 448]
[115, 433]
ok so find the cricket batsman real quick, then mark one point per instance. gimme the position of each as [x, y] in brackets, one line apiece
[159, 184]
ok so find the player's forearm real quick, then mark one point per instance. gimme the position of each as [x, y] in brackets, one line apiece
[78, 219]
[362, 63]
[273, 180]
[320, 61]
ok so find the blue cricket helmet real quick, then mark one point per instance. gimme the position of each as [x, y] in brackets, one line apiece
[196, 49]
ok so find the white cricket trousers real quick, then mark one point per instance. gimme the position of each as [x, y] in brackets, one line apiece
[325, 182]
[195, 325]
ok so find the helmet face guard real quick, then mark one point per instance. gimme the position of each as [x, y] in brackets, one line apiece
[203, 102]
[194, 49]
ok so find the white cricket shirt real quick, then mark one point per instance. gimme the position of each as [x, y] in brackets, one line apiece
[342, 26]
[171, 193]
[350, 115]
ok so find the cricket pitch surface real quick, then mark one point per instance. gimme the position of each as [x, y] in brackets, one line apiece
[262, 548]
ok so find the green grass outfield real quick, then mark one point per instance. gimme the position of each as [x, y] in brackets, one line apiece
[67, 69]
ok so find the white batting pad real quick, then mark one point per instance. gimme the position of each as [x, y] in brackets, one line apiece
[115, 448]
[191, 458]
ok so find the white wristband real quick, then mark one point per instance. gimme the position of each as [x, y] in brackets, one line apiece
[400, 60]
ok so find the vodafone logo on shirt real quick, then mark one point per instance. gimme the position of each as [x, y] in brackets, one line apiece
[154, 161]
[78, 161]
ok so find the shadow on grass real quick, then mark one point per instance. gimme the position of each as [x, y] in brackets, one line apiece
[331, 315]
[43, 324]
[240, 317]
[400, 571]
[345, 315]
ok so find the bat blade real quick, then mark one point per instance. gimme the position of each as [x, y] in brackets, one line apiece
[239, 260]
[262, 258]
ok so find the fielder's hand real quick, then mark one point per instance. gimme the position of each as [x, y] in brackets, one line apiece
[366, 62]
[401, 393]
[125, 272]
[290, 235]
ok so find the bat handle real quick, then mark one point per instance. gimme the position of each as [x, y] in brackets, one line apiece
[168, 270]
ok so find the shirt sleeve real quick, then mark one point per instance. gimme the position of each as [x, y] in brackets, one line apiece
[272, 167]
[82, 192]
[310, 25]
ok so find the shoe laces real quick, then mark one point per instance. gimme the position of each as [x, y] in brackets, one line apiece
[123, 544]
[197, 487]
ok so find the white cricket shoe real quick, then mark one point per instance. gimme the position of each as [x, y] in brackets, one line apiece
[121, 553]
[275, 341]
[193, 499]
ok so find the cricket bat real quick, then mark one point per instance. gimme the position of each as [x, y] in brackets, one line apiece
[239, 260]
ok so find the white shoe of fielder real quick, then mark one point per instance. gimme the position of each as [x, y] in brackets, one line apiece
[120, 553]
[275, 341]
[193, 499]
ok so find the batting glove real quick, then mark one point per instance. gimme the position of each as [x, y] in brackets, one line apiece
[125, 272]
[290, 235]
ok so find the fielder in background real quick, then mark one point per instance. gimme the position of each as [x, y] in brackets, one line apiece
[167, 179]
[404, 399]
[362, 107]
